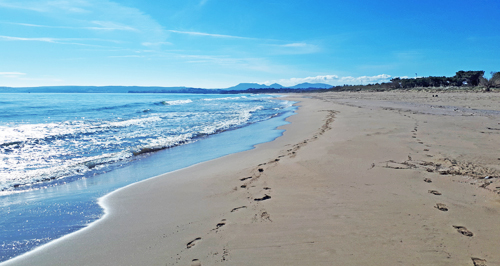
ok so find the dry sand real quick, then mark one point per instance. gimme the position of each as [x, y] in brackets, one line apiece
[356, 179]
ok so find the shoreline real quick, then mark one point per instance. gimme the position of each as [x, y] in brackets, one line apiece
[102, 202]
[344, 184]
[268, 127]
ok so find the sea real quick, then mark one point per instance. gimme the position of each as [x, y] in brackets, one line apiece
[60, 153]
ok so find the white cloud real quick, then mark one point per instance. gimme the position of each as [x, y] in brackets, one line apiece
[109, 25]
[17, 5]
[296, 48]
[125, 56]
[229, 62]
[89, 14]
[10, 38]
[301, 44]
[194, 33]
[31, 25]
[149, 44]
[11, 74]
[333, 80]
[104, 25]
[74, 6]
[365, 79]
[56, 40]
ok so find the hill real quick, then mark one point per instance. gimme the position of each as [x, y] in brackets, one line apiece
[246, 86]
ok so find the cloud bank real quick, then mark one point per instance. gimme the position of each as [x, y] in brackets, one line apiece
[333, 80]
[11, 74]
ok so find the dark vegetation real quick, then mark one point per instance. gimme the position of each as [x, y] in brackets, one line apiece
[463, 80]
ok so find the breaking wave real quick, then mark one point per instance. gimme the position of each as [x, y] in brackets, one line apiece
[44, 151]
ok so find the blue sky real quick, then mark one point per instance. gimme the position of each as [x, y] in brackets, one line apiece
[220, 43]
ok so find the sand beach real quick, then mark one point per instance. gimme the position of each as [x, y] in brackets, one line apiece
[385, 178]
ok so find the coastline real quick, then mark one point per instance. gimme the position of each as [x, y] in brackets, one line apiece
[343, 185]
[37, 216]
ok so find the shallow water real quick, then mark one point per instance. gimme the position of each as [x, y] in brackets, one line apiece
[39, 211]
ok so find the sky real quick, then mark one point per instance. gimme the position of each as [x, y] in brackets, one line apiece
[220, 43]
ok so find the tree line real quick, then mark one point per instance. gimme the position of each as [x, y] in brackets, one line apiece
[472, 79]
[461, 79]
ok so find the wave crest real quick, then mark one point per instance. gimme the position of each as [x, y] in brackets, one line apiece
[177, 102]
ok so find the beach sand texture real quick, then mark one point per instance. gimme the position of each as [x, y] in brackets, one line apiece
[383, 178]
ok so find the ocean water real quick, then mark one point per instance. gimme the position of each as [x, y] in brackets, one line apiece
[60, 152]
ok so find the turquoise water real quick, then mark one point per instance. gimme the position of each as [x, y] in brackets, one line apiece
[61, 152]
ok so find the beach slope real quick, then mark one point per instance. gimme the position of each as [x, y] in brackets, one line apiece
[356, 179]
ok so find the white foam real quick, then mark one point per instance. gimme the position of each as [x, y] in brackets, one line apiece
[167, 142]
[135, 121]
[222, 99]
[177, 102]
[207, 121]
[36, 169]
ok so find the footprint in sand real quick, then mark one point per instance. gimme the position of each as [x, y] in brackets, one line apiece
[441, 207]
[427, 180]
[478, 262]
[435, 192]
[266, 197]
[462, 230]
[193, 242]
[237, 208]
[196, 262]
[221, 224]
[265, 216]
[245, 178]
[261, 170]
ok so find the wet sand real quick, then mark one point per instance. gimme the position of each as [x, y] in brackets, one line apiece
[356, 179]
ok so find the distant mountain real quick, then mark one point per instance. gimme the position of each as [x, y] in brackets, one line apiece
[139, 89]
[311, 85]
[90, 89]
[275, 86]
[245, 86]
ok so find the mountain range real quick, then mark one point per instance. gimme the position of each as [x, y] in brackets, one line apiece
[245, 86]
[155, 89]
